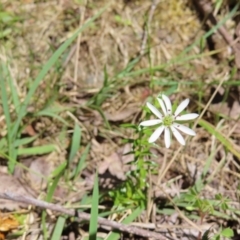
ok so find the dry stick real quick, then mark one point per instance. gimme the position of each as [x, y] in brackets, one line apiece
[76, 68]
[146, 31]
[81, 215]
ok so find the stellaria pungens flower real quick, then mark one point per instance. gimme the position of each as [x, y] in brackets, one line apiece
[169, 121]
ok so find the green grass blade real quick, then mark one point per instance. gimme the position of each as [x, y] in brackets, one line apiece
[11, 150]
[14, 93]
[81, 162]
[3, 76]
[76, 141]
[39, 150]
[47, 113]
[24, 141]
[225, 141]
[57, 233]
[50, 191]
[94, 211]
[59, 169]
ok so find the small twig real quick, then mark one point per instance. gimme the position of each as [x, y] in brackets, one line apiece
[147, 25]
[82, 216]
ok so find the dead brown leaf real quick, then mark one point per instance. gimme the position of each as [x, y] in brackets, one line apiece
[114, 164]
[39, 169]
[123, 115]
[11, 184]
[8, 223]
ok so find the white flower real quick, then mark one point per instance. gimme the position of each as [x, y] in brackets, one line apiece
[169, 122]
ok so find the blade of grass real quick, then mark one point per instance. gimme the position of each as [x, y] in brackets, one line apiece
[4, 97]
[24, 141]
[94, 211]
[224, 140]
[57, 233]
[50, 191]
[58, 170]
[52, 115]
[14, 93]
[11, 150]
[81, 162]
[39, 150]
[76, 141]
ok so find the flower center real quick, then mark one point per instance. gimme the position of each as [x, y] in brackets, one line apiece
[168, 120]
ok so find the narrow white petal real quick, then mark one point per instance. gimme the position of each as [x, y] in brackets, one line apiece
[154, 110]
[178, 135]
[162, 106]
[167, 137]
[150, 122]
[156, 134]
[186, 117]
[181, 106]
[168, 103]
[184, 129]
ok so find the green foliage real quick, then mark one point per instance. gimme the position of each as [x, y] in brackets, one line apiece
[133, 191]
[57, 233]
[93, 227]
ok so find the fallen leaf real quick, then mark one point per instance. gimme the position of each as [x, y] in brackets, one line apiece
[114, 164]
[123, 115]
[38, 169]
[11, 184]
[8, 223]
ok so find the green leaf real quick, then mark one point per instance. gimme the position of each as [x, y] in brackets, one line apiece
[94, 211]
[57, 233]
[37, 150]
[227, 232]
[58, 170]
[76, 140]
[24, 141]
[81, 162]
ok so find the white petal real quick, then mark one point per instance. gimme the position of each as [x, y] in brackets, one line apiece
[186, 117]
[150, 122]
[181, 106]
[156, 134]
[167, 103]
[154, 110]
[167, 137]
[162, 106]
[178, 135]
[184, 129]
